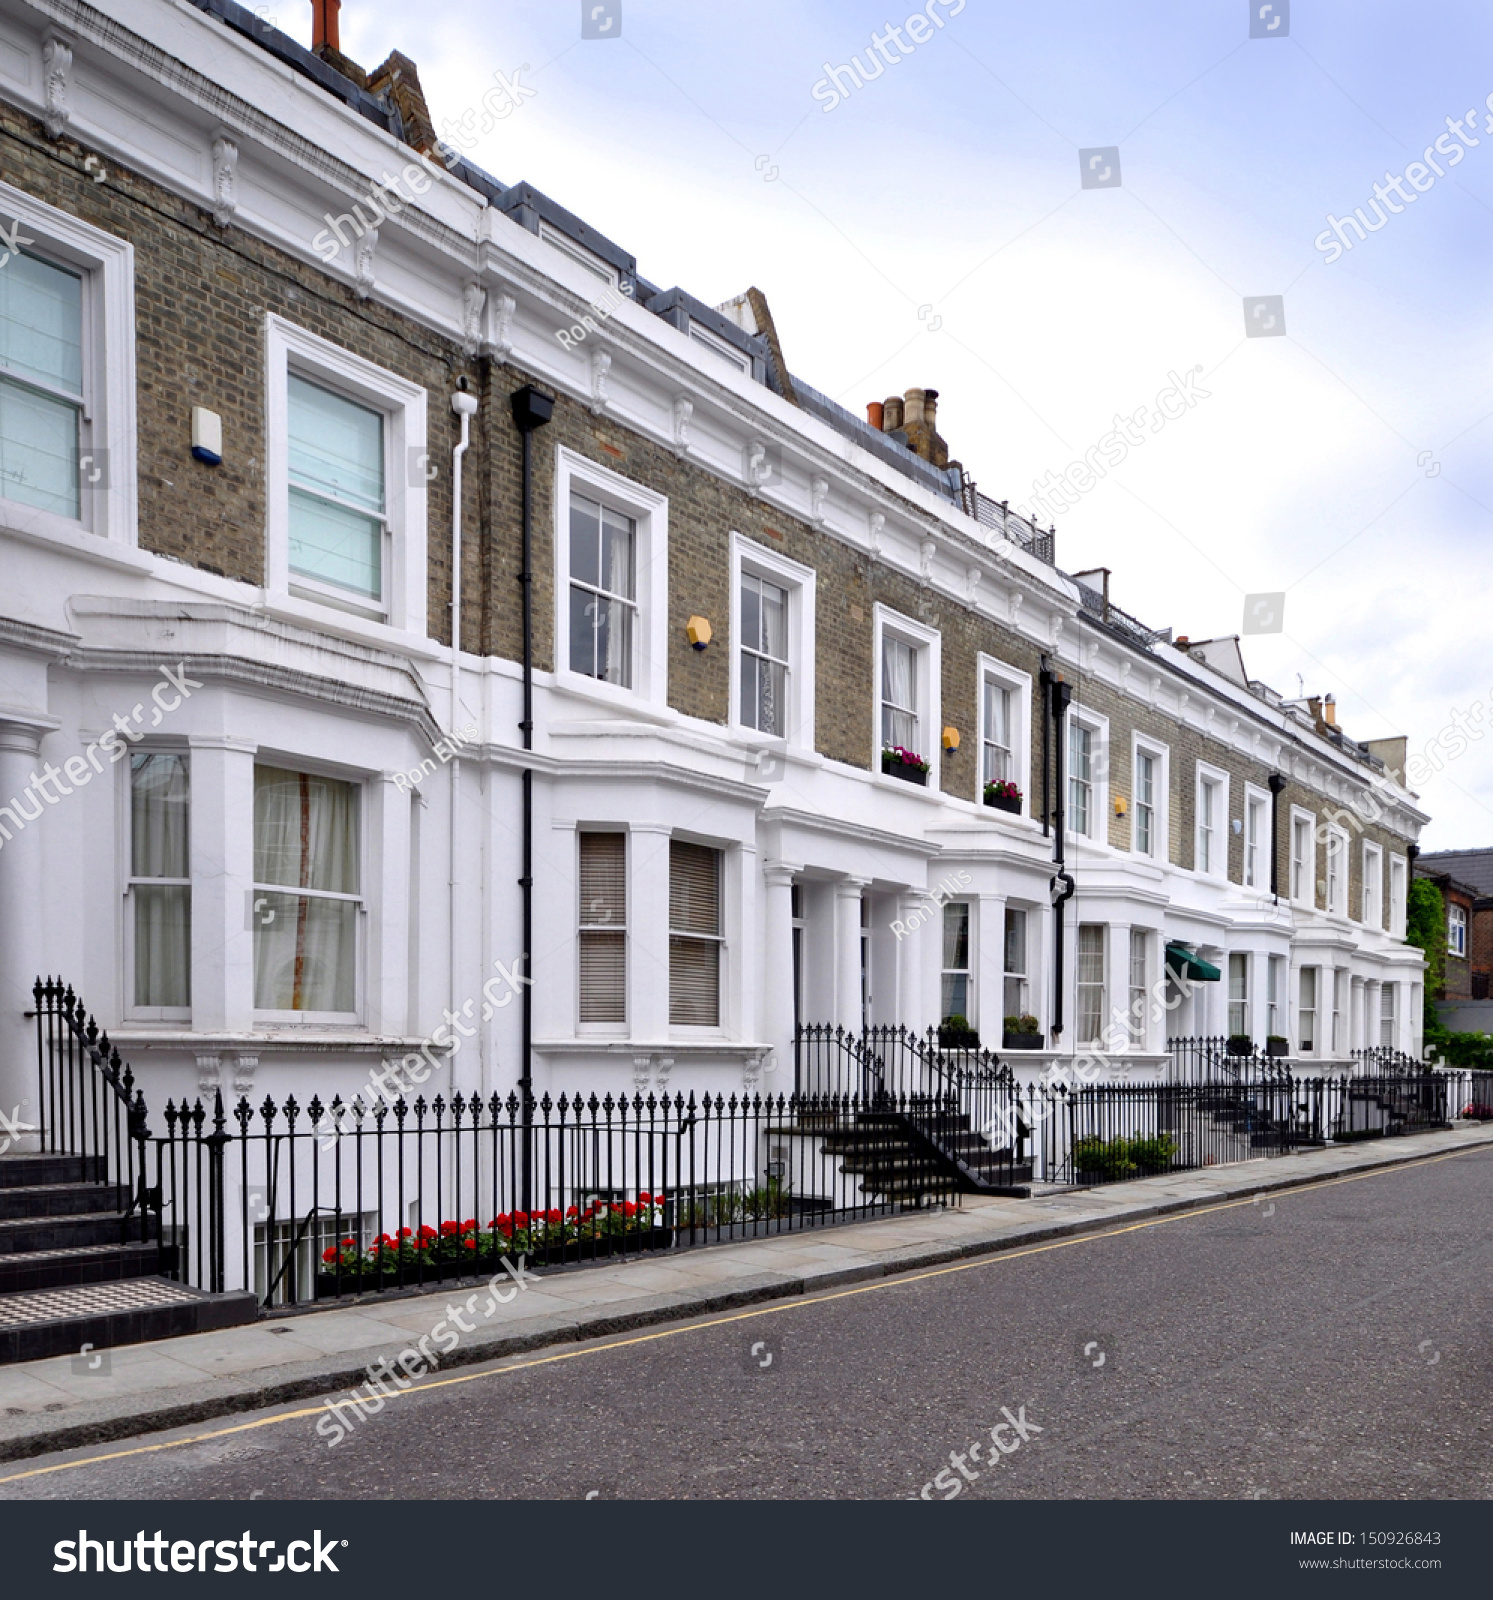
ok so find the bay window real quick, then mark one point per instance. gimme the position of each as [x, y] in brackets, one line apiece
[1239, 994]
[955, 993]
[1306, 1011]
[307, 897]
[603, 927]
[694, 934]
[160, 887]
[1090, 984]
[1015, 964]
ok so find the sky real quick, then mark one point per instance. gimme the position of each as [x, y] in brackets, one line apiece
[932, 229]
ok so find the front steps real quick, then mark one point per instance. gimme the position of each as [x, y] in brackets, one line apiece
[71, 1275]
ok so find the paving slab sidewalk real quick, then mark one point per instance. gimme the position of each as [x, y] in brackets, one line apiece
[61, 1404]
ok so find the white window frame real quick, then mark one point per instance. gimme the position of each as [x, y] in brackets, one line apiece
[1373, 874]
[748, 558]
[1022, 979]
[1019, 684]
[1399, 892]
[650, 511]
[1102, 986]
[969, 970]
[369, 825]
[1456, 930]
[1216, 779]
[128, 883]
[404, 604]
[1336, 868]
[727, 908]
[107, 267]
[1256, 848]
[1098, 726]
[1161, 801]
[1314, 1011]
[1244, 1000]
[927, 643]
[1138, 1020]
[1339, 985]
[1275, 969]
[1389, 1015]
[604, 1029]
[1308, 875]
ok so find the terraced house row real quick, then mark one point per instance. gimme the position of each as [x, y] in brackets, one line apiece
[404, 661]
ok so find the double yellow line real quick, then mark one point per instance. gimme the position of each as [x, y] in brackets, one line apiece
[775, 1308]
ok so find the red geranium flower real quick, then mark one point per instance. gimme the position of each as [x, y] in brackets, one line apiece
[404, 1233]
[520, 1219]
[469, 1244]
[330, 1253]
[571, 1211]
[645, 1197]
[629, 1209]
[349, 1244]
[427, 1232]
[553, 1214]
[470, 1225]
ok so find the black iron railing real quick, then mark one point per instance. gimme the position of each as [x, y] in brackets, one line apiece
[90, 1107]
[1204, 1060]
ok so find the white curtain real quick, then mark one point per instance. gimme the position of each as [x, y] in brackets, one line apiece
[159, 800]
[898, 694]
[305, 946]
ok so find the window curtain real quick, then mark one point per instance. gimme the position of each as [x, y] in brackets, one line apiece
[159, 799]
[997, 733]
[898, 694]
[955, 997]
[305, 946]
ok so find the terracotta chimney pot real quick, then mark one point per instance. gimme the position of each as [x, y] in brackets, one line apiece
[324, 26]
[874, 414]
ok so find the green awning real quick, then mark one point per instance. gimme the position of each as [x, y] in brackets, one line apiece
[1185, 964]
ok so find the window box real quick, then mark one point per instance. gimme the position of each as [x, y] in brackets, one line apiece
[1239, 1044]
[955, 1033]
[1022, 1041]
[901, 763]
[1004, 797]
[1276, 1046]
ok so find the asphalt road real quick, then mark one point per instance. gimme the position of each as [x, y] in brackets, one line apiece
[1333, 1342]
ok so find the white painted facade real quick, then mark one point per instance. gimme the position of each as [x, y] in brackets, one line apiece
[90, 617]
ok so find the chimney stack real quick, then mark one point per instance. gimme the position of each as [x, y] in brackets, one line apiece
[324, 26]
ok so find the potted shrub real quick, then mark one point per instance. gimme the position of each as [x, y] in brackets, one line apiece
[1004, 796]
[1022, 1033]
[1277, 1045]
[1239, 1044]
[900, 763]
[955, 1033]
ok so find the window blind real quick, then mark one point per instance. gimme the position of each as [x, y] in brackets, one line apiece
[694, 934]
[603, 920]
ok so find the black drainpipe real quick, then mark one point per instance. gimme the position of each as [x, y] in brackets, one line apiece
[1060, 696]
[1277, 783]
[531, 410]
[1046, 679]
